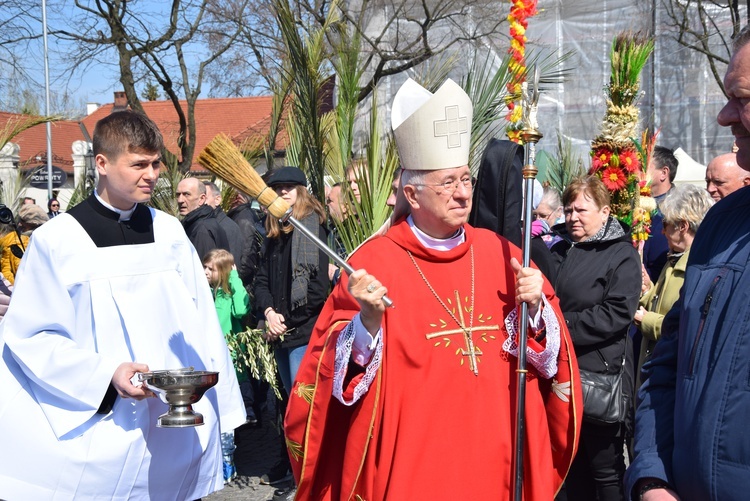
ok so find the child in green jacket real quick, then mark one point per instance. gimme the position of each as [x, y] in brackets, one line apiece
[232, 305]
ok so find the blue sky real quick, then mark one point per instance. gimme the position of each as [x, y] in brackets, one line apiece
[95, 83]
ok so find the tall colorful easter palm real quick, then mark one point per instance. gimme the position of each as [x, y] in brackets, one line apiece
[617, 152]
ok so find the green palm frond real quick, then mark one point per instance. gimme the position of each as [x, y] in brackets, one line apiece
[336, 158]
[487, 89]
[15, 126]
[340, 129]
[374, 176]
[12, 190]
[10, 194]
[252, 353]
[307, 64]
[163, 197]
[436, 70]
[295, 141]
[81, 192]
[227, 196]
[560, 169]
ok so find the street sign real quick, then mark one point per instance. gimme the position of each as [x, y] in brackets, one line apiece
[38, 177]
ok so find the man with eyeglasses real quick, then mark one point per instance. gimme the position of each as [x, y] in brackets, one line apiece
[417, 401]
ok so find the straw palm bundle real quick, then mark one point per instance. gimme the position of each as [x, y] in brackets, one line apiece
[222, 157]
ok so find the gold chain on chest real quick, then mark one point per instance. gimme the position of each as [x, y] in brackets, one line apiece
[467, 332]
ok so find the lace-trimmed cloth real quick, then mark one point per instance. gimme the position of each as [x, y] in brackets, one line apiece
[545, 361]
[344, 345]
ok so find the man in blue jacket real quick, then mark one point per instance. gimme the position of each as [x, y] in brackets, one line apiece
[691, 438]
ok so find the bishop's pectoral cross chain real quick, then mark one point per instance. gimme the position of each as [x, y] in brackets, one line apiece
[471, 350]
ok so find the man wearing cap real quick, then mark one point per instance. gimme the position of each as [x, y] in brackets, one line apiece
[418, 401]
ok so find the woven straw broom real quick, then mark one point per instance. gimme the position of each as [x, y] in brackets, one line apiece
[222, 157]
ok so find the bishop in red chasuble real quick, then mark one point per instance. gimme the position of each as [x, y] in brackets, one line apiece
[425, 408]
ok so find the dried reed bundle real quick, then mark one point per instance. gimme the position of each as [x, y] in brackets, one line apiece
[222, 157]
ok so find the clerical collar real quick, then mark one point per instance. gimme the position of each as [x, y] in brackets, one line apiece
[439, 244]
[125, 215]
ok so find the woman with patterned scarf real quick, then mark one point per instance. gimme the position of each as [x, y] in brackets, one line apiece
[292, 281]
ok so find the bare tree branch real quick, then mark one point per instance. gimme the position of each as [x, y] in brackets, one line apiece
[697, 25]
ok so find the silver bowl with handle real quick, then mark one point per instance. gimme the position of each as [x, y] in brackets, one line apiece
[179, 388]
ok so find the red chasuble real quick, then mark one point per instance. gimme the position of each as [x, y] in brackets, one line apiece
[429, 428]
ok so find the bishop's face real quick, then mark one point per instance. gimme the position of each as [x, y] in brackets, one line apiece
[441, 205]
[128, 178]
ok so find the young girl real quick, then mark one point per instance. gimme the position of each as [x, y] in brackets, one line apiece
[232, 304]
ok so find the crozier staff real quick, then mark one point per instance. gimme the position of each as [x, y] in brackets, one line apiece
[383, 389]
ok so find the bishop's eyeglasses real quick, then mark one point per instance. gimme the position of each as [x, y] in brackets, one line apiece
[449, 187]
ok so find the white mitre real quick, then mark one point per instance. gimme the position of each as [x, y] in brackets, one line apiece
[433, 131]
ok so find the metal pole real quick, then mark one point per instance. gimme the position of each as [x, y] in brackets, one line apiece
[324, 247]
[47, 109]
[530, 135]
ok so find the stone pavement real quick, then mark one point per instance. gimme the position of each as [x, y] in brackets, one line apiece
[258, 449]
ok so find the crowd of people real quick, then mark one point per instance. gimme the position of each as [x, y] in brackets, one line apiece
[629, 356]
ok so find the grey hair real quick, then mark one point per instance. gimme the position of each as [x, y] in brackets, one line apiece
[413, 177]
[742, 38]
[551, 197]
[212, 186]
[687, 203]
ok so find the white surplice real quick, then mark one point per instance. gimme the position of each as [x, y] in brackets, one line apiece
[79, 311]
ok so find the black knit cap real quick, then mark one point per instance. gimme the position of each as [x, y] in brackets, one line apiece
[287, 175]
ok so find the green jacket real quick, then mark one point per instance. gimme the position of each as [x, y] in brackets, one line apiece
[231, 310]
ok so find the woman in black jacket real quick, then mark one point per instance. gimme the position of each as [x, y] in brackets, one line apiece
[292, 281]
[599, 284]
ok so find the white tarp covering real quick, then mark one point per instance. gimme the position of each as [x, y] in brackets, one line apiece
[680, 95]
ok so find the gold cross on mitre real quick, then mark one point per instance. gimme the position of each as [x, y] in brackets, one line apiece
[471, 351]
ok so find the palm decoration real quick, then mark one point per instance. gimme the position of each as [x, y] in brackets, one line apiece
[616, 153]
[306, 74]
[560, 169]
[10, 193]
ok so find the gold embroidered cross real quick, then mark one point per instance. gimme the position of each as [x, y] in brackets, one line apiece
[471, 351]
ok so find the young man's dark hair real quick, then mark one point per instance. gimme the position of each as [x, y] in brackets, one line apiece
[130, 128]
